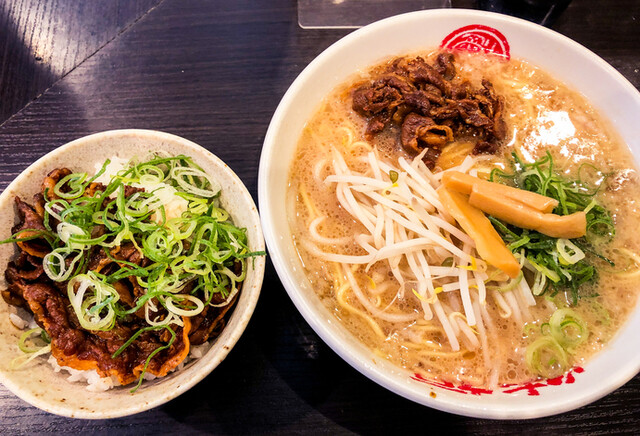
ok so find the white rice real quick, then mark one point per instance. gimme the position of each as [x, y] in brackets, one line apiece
[22, 320]
[18, 322]
[166, 194]
[95, 383]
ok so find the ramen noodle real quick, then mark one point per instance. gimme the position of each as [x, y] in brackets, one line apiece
[391, 263]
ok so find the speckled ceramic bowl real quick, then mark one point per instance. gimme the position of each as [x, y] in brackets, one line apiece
[37, 383]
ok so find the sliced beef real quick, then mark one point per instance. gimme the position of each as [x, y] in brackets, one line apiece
[485, 147]
[383, 95]
[38, 205]
[494, 108]
[420, 132]
[209, 322]
[420, 72]
[125, 293]
[98, 259]
[25, 267]
[377, 123]
[94, 350]
[431, 106]
[445, 66]
[21, 271]
[94, 188]
[460, 91]
[29, 218]
[419, 101]
[447, 111]
[130, 190]
[50, 312]
[471, 113]
[434, 94]
[12, 296]
[30, 225]
[380, 100]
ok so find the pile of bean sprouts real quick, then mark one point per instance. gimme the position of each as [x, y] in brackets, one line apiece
[405, 225]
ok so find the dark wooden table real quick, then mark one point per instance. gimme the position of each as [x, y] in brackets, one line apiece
[214, 72]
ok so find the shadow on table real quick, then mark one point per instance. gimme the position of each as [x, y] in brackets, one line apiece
[282, 379]
[22, 72]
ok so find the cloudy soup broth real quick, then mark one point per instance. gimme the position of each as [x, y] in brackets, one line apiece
[409, 306]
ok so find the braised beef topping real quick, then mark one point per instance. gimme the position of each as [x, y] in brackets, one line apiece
[70, 344]
[30, 225]
[471, 113]
[38, 204]
[484, 147]
[419, 100]
[445, 66]
[93, 188]
[381, 96]
[377, 124]
[448, 110]
[130, 190]
[51, 180]
[29, 218]
[207, 322]
[419, 132]
[30, 288]
[418, 71]
[431, 105]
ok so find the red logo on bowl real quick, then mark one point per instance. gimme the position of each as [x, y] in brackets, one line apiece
[530, 388]
[477, 38]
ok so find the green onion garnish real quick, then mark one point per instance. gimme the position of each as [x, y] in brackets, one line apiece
[558, 264]
[192, 260]
[393, 176]
[549, 354]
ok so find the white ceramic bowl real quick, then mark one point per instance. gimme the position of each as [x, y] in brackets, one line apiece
[566, 60]
[37, 383]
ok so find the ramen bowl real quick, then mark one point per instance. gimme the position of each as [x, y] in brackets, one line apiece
[37, 383]
[601, 84]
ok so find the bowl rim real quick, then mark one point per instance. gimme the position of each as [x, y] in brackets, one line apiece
[280, 262]
[243, 313]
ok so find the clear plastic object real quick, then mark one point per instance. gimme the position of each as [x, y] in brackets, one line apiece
[349, 14]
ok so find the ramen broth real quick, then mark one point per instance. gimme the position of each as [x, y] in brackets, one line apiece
[541, 114]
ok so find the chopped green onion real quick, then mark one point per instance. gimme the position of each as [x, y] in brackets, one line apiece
[75, 184]
[30, 353]
[508, 286]
[546, 358]
[539, 284]
[23, 359]
[558, 264]
[86, 293]
[548, 355]
[26, 335]
[551, 275]
[569, 252]
[393, 176]
[568, 328]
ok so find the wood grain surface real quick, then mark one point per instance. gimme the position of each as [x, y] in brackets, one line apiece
[214, 72]
[44, 40]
